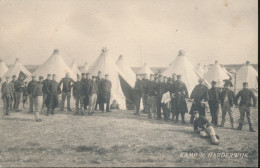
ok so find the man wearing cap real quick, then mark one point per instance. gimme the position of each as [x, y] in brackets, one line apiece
[172, 90]
[151, 97]
[227, 98]
[40, 95]
[181, 94]
[165, 106]
[13, 100]
[66, 90]
[86, 84]
[99, 80]
[246, 96]
[214, 101]
[46, 83]
[7, 91]
[159, 91]
[33, 91]
[93, 91]
[138, 93]
[52, 100]
[78, 95]
[19, 86]
[206, 130]
[199, 95]
[145, 91]
[105, 88]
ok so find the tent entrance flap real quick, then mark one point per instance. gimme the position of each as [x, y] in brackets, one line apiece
[128, 93]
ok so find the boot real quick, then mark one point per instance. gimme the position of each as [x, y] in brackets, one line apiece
[48, 111]
[251, 129]
[177, 118]
[214, 140]
[232, 125]
[239, 127]
[183, 120]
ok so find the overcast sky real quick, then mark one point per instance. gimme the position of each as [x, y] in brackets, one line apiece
[208, 30]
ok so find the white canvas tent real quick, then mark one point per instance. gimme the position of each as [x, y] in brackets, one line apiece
[217, 74]
[205, 68]
[74, 68]
[84, 69]
[55, 65]
[200, 69]
[3, 68]
[225, 70]
[247, 74]
[145, 69]
[126, 70]
[182, 66]
[16, 68]
[106, 65]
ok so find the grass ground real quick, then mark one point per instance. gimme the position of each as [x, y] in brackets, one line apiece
[117, 139]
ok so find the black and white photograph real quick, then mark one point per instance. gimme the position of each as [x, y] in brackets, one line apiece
[128, 83]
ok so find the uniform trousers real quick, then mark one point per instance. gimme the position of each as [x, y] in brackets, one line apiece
[245, 110]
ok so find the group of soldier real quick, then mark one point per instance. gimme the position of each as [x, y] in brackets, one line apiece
[89, 93]
[153, 93]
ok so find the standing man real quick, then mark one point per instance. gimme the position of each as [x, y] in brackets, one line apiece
[40, 95]
[227, 98]
[99, 80]
[199, 95]
[19, 89]
[66, 90]
[33, 91]
[46, 83]
[93, 91]
[106, 86]
[13, 100]
[138, 92]
[53, 91]
[159, 91]
[78, 95]
[145, 91]
[172, 90]
[85, 85]
[7, 91]
[151, 97]
[181, 95]
[214, 101]
[246, 96]
[166, 87]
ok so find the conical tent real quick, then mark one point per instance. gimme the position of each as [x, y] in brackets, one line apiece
[247, 74]
[84, 69]
[3, 68]
[200, 69]
[217, 74]
[145, 69]
[55, 65]
[16, 68]
[225, 70]
[182, 66]
[126, 70]
[108, 66]
[205, 68]
[74, 68]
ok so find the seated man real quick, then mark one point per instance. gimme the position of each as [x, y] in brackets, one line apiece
[206, 129]
[114, 105]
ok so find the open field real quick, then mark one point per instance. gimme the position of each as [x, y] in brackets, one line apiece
[117, 139]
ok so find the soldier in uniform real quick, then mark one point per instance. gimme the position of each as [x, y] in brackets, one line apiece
[12, 104]
[33, 91]
[181, 94]
[40, 95]
[53, 91]
[214, 101]
[93, 91]
[25, 94]
[166, 88]
[78, 95]
[86, 84]
[227, 98]
[66, 90]
[46, 84]
[7, 91]
[19, 89]
[199, 95]
[159, 88]
[246, 96]
[151, 97]
[172, 90]
[106, 86]
[206, 130]
[145, 91]
[138, 93]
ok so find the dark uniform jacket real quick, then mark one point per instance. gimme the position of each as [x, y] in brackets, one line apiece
[7, 90]
[46, 84]
[200, 122]
[145, 86]
[246, 95]
[33, 88]
[138, 87]
[151, 88]
[230, 94]
[78, 89]
[181, 93]
[67, 84]
[53, 91]
[159, 89]
[19, 85]
[93, 88]
[199, 92]
[106, 86]
[98, 82]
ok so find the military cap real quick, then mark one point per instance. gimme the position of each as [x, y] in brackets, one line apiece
[99, 72]
[82, 74]
[53, 74]
[165, 77]
[178, 76]
[33, 76]
[160, 76]
[41, 77]
[173, 74]
[106, 75]
[227, 82]
[245, 83]
[49, 75]
[14, 76]
[213, 82]
[87, 73]
[200, 80]
[93, 77]
[7, 77]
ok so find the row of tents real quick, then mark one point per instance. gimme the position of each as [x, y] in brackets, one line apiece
[123, 78]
